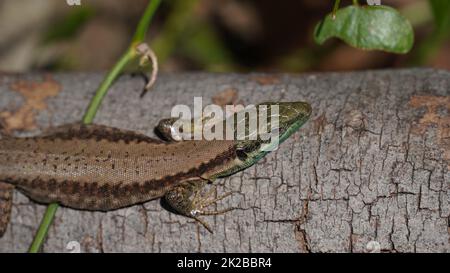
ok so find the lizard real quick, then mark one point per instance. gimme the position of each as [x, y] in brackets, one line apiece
[100, 168]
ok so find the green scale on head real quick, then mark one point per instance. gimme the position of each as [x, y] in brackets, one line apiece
[282, 124]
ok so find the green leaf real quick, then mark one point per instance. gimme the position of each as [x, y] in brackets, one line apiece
[369, 28]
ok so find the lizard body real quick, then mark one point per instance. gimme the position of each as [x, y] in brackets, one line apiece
[102, 173]
[94, 167]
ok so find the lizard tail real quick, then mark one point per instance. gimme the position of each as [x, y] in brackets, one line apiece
[6, 193]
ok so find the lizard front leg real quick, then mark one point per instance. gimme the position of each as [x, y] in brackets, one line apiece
[6, 193]
[187, 200]
[186, 197]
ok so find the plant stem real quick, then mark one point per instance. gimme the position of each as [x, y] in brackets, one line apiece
[43, 228]
[89, 116]
[144, 23]
[105, 85]
[336, 7]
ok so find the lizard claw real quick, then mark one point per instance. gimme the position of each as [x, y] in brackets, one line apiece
[203, 203]
[204, 224]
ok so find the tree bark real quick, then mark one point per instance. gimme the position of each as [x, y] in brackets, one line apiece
[370, 170]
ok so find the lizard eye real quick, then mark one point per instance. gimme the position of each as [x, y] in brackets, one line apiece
[241, 154]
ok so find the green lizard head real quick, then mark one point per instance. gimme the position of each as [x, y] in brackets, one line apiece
[251, 144]
[291, 116]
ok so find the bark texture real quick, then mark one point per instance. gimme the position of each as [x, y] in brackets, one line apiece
[370, 170]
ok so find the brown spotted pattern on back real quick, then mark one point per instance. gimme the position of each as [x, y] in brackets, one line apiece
[98, 132]
[102, 168]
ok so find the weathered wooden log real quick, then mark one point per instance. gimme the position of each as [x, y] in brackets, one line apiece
[370, 169]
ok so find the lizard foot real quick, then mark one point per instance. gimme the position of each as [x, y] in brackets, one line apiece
[187, 200]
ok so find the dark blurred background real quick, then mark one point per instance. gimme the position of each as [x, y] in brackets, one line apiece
[211, 35]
